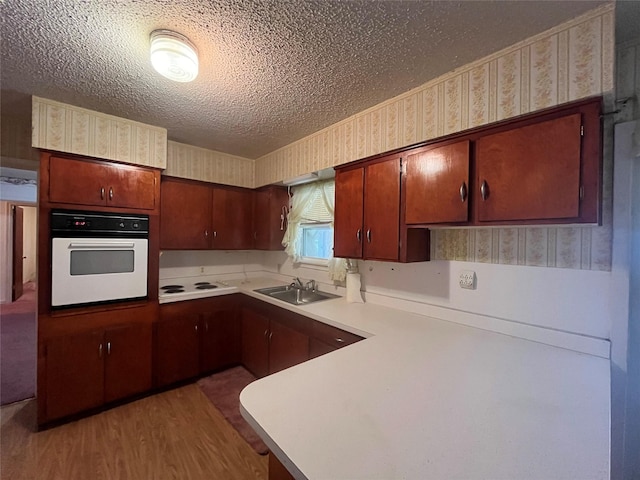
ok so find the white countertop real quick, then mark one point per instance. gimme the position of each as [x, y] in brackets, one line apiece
[423, 398]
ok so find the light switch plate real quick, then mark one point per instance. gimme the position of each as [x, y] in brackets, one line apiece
[467, 279]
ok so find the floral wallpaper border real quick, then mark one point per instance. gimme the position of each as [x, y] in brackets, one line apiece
[66, 128]
[196, 163]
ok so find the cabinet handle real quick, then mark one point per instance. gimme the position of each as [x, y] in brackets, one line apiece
[359, 235]
[484, 190]
[463, 192]
[100, 350]
[339, 340]
[266, 332]
[215, 234]
[110, 193]
[102, 193]
[196, 327]
[108, 348]
[206, 233]
[270, 335]
[369, 235]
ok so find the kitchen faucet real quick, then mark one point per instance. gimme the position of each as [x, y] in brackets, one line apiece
[311, 285]
[297, 283]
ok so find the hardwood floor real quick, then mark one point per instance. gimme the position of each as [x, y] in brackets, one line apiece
[172, 435]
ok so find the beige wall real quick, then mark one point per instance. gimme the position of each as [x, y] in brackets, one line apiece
[572, 61]
[15, 142]
[628, 80]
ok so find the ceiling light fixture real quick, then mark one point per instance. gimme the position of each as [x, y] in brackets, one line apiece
[173, 56]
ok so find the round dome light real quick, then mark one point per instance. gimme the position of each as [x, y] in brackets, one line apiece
[173, 56]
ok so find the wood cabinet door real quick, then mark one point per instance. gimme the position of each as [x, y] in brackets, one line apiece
[381, 232]
[176, 346]
[232, 219]
[530, 172]
[287, 347]
[128, 361]
[348, 233]
[74, 374]
[76, 181]
[255, 346]
[270, 208]
[437, 185]
[220, 340]
[131, 187]
[185, 215]
[261, 219]
[318, 348]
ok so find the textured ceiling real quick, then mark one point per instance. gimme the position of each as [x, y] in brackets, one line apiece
[271, 71]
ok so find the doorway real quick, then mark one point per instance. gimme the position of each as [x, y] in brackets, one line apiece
[18, 320]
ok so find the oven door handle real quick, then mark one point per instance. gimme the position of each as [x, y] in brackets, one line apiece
[118, 245]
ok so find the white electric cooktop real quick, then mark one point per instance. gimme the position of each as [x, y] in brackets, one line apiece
[190, 288]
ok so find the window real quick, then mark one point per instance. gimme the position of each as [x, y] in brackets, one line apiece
[309, 235]
[317, 241]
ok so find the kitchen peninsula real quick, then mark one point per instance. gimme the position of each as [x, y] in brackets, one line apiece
[426, 398]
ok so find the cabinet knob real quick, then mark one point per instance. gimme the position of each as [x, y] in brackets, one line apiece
[484, 190]
[463, 192]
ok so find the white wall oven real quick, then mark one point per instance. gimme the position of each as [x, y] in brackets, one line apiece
[97, 257]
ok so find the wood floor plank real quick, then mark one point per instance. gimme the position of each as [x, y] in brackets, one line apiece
[176, 434]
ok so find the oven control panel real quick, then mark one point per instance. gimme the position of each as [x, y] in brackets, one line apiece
[65, 223]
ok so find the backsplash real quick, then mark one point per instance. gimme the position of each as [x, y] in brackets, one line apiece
[66, 128]
[571, 61]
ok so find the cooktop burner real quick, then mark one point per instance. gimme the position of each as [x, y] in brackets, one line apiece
[187, 288]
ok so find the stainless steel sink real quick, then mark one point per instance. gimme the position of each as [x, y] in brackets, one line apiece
[295, 296]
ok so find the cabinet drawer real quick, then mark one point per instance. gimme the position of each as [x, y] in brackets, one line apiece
[333, 336]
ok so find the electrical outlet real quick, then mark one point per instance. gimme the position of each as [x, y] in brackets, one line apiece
[201, 269]
[467, 279]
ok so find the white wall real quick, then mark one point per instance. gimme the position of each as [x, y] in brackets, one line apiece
[227, 264]
[29, 242]
[6, 231]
